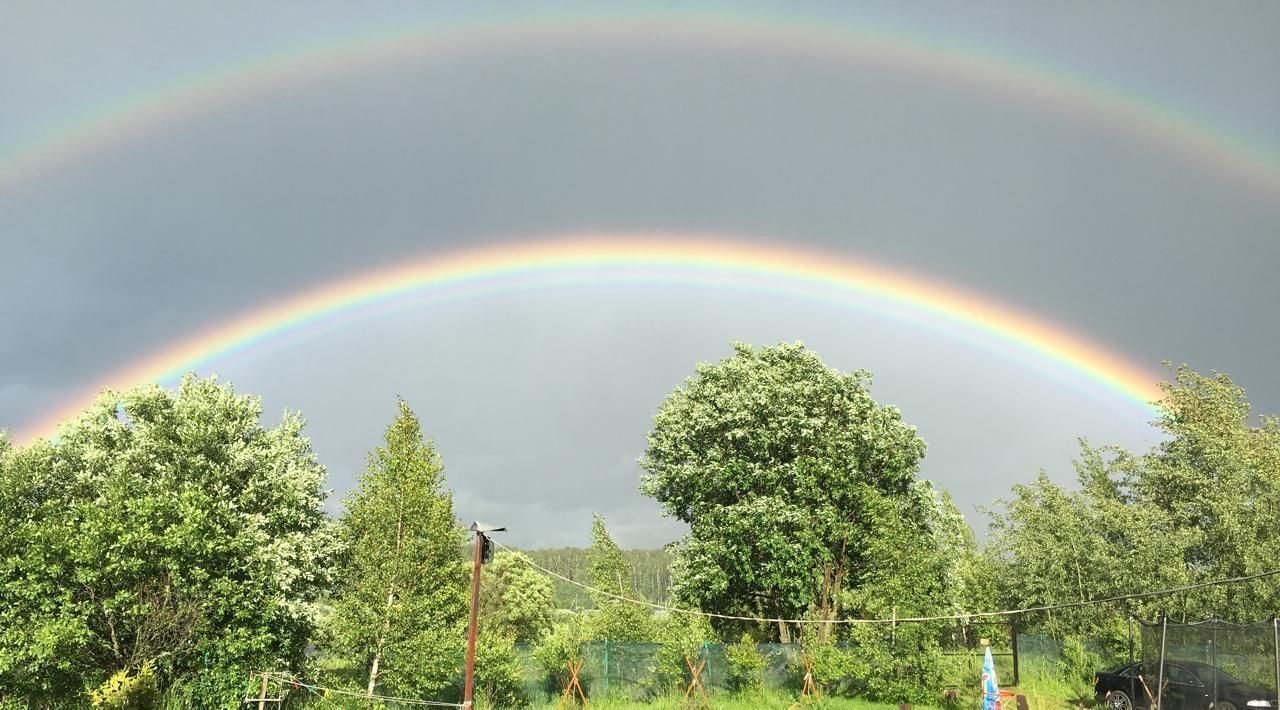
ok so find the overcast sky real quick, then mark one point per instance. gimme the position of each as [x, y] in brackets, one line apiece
[539, 400]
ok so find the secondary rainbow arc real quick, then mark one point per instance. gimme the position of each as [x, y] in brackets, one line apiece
[1143, 120]
[688, 257]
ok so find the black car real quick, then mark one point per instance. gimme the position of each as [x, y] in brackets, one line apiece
[1188, 686]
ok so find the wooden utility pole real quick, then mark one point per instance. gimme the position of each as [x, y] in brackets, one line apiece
[469, 684]
[483, 550]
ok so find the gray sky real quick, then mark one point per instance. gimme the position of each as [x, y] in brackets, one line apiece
[540, 400]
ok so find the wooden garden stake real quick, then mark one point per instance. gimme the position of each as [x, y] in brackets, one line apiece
[809, 689]
[695, 682]
[573, 685]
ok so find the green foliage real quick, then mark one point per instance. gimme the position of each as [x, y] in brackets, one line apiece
[916, 567]
[775, 461]
[1201, 505]
[515, 599]
[745, 672]
[499, 672]
[833, 664]
[1078, 664]
[402, 600]
[683, 638]
[566, 643]
[128, 691]
[162, 527]
[614, 619]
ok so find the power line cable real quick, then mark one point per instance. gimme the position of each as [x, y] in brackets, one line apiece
[905, 619]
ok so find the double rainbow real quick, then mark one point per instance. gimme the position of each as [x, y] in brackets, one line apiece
[670, 257]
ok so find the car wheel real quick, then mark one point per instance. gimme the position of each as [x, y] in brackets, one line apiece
[1223, 705]
[1118, 700]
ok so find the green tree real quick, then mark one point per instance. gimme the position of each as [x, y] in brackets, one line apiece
[499, 672]
[616, 618]
[1203, 504]
[402, 600]
[775, 461]
[912, 570]
[161, 530]
[515, 599]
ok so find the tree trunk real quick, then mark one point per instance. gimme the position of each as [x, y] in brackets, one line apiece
[391, 597]
[373, 670]
[382, 640]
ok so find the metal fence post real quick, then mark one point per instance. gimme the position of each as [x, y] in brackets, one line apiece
[1213, 656]
[1013, 639]
[1164, 627]
[1133, 672]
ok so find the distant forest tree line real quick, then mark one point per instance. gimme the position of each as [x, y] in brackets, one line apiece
[650, 574]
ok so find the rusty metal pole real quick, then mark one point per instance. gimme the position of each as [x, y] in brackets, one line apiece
[469, 685]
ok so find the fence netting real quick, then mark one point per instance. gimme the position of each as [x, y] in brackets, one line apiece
[638, 670]
[1204, 666]
[1210, 664]
[634, 670]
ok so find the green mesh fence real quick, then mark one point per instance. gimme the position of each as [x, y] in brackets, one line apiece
[634, 670]
[1052, 673]
[1212, 664]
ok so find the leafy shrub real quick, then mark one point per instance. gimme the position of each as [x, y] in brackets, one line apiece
[681, 637]
[128, 691]
[1077, 665]
[1076, 662]
[745, 667]
[833, 667]
[499, 673]
[565, 643]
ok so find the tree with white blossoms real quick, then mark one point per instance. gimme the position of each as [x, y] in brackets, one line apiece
[780, 466]
[165, 529]
[401, 601]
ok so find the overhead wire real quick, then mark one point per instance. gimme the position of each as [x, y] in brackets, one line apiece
[897, 620]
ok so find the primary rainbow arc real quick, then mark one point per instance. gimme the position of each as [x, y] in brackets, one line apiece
[693, 258]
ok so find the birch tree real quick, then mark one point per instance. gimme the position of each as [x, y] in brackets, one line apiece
[615, 619]
[402, 601]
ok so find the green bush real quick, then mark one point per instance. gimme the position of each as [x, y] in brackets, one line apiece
[833, 667]
[745, 672]
[128, 691]
[1077, 663]
[499, 673]
[681, 637]
[1077, 666]
[565, 643]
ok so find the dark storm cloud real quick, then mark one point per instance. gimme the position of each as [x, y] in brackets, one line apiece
[540, 410]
